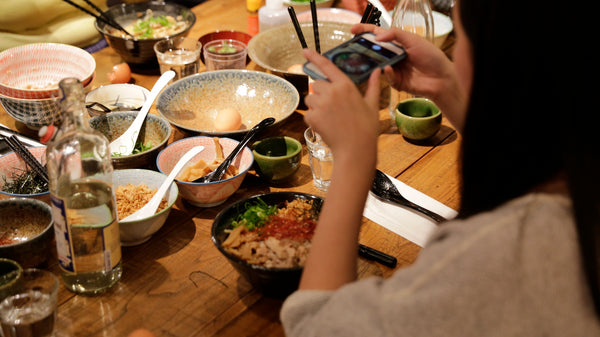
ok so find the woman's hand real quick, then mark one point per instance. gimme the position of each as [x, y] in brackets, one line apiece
[426, 71]
[345, 119]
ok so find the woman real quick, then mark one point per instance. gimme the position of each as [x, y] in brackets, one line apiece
[522, 258]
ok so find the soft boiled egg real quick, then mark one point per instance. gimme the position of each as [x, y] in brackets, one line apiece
[228, 119]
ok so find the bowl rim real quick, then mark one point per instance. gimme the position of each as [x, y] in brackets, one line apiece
[212, 182]
[305, 24]
[286, 195]
[287, 156]
[82, 52]
[145, 5]
[16, 195]
[156, 173]
[209, 75]
[40, 205]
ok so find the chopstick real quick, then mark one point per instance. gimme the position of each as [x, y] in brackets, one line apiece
[297, 27]
[367, 13]
[371, 15]
[377, 256]
[15, 144]
[6, 132]
[315, 25]
[100, 17]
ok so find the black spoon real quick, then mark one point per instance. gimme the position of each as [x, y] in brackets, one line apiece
[384, 189]
[217, 174]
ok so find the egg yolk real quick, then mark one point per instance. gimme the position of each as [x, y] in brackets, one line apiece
[228, 120]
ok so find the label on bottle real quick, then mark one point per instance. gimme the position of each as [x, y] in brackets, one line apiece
[64, 249]
[87, 240]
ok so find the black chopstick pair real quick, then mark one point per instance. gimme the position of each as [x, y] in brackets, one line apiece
[100, 16]
[315, 25]
[15, 144]
[371, 15]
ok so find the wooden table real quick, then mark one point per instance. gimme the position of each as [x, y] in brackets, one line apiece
[178, 284]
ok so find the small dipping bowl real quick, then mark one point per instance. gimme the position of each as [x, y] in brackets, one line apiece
[277, 158]
[418, 118]
[10, 275]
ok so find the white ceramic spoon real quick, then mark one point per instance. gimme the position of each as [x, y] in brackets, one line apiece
[126, 142]
[150, 208]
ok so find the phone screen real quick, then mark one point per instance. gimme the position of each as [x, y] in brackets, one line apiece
[359, 57]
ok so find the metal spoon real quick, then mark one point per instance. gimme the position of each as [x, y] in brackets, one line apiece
[217, 174]
[150, 208]
[383, 188]
[126, 142]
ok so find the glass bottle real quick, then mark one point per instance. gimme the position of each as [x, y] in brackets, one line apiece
[415, 16]
[82, 199]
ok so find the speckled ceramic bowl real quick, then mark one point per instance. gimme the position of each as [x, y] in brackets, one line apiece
[12, 165]
[277, 49]
[205, 194]
[192, 102]
[156, 131]
[32, 71]
[27, 231]
[139, 231]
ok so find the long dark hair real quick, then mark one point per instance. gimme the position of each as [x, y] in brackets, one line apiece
[526, 122]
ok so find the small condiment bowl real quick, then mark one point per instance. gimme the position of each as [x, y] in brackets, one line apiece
[28, 234]
[120, 96]
[418, 118]
[10, 275]
[277, 158]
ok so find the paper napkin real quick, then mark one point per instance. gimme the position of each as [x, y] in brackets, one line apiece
[405, 222]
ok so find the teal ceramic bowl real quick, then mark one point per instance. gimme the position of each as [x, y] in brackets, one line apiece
[418, 118]
[277, 158]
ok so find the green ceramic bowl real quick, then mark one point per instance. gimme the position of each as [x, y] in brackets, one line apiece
[10, 275]
[418, 118]
[277, 158]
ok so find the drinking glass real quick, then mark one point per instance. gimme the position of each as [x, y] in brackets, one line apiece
[320, 158]
[31, 309]
[180, 54]
[225, 54]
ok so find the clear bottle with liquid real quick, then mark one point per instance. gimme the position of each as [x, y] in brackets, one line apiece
[82, 199]
[272, 14]
[415, 16]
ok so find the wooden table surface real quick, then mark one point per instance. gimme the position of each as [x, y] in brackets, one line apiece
[179, 284]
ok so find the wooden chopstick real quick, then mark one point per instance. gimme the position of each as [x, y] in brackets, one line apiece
[100, 16]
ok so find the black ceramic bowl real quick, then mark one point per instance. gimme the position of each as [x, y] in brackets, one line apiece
[273, 282]
[139, 53]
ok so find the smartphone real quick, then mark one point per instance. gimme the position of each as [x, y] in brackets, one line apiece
[358, 57]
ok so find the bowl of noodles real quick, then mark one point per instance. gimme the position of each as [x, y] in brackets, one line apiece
[148, 23]
[215, 150]
[266, 238]
[133, 188]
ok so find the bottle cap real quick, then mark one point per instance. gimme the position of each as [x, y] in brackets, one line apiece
[274, 4]
[253, 5]
[46, 133]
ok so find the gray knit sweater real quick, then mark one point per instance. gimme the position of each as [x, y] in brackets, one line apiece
[514, 271]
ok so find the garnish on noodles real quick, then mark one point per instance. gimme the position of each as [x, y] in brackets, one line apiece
[273, 237]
